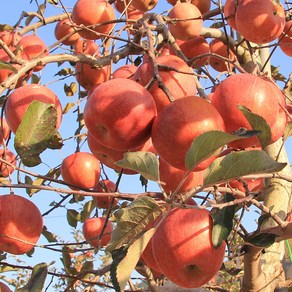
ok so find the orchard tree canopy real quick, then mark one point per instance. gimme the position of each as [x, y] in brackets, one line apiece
[145, 145]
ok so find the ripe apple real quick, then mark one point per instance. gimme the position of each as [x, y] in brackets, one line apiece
[21, 224]
[4, 287]
[84, 46]
[125, 71]
[229, 12]
[219, 48]
[113, 114]
[144, 5]
[5, 169]
[257, 96]
[81, 169]
[65, 32]
[188, 21]
[183, 249]
[105, 186]
[123, 6]
[286, 40]
[178, 124]
[177, 83]
[195, 47]
[92, 229]
[4, 131]
[10, 38]
[19, 100]
[91, 14]
[34, 47]
[260, 21]
[203, 5]
[171, 177]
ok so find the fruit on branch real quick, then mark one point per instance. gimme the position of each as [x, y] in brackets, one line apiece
[285, 39]
[187, 21]
[119, 113]
[65, 32]
[21, 224]
[93, 15]
[183, 249]
[105, 186]
[4, 131]
[84, 46]
[34, 47]
[81, 169]
[179, 81]
[5, 169]
[95, 233]
[144, 5]
[257, 96]
[260, 21]
[229, 12]
[19, 100]
[10, 38]
[123, 6]
[221, 49]
[203, 5]
[171, 177]
[178, 124]
[195, 47]
[4, 287]
[125, 71]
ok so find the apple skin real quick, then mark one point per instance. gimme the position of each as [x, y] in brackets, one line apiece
[4, 287]
[19, 100]
[257, 96]
[113, 114]
[4, 131]
[286, 42]
[20, 219]
[184, 30]
[93, 12]
[84, 46]
[81, 169]
[7, 155]
[144, 5]
[260, 21]
[92, 228]
[125, 71]
[178, 84]
[10, 38]
[63, 29]
[229, 12]
[203, 5]
[176, 126]
[183, 249]
[105, 186]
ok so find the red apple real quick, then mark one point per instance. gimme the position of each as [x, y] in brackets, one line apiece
[84, 46]
[187, 23]
[91, 14]
[92, 229]
[4, 287]
[177, 83]
[203, 5]
[10, 38]
[183, 249]
[21, 224]
[106, 186]
[229, 12]
[113, 114]
[81, 169]
[4, 131]
[5, 169]
[144, 5]
[125, 71]
[19, 100]
[260, 21]
[178, 124]
[65, 32]
[286, 39]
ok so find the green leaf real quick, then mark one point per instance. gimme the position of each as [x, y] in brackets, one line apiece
[6, 27]
[37, 279]
[87, 267]
[207, 143]
[56, 141]
[132, 220]
[237, 164]
[49, 235]
[7, 66]
[66, 258]
[73, 217]
[122, 268]
[87, 209]
[259, 124]
[35, 132]
[65, 72]
[146, 163]
[222, 222]
[263, 240]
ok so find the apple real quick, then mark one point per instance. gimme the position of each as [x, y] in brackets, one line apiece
[123, 6]
[229, 12]
[105, 186]
[10, 38]
[19, 100]
[178, 124]
[125, 71]
[203, 5]
[195, 47]
[21, 224]
[4, 287]
[257, 96]
[113, 114]
[187, 21]
[144, 5]
[260, 21]
[285, 40]
[4, 131]
[65, 32]
[81, 169]
[92, 14]
[183, 249]
[177, 83]
[92, 229]
[5, 169]
[219, 48]
[171, 177]
[34, 47]
[83, 46]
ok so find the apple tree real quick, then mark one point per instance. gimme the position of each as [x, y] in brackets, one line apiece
[155, 133]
